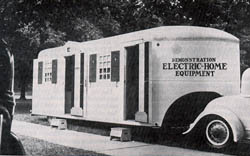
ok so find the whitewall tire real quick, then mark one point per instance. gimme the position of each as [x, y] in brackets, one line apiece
[218, 133]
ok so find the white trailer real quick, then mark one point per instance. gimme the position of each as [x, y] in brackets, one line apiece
[162, 77]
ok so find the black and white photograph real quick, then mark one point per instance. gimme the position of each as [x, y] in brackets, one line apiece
[125, 77]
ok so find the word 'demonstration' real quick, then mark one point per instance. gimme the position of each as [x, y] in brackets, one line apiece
[194, 66]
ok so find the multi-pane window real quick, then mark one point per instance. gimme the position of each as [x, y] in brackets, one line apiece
[104, 67]
[48, 72]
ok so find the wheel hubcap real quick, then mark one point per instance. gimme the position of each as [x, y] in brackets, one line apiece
[217, 132]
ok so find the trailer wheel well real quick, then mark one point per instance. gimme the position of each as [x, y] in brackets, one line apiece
[185, 109]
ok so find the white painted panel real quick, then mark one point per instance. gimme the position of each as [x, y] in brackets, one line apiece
[168, 85]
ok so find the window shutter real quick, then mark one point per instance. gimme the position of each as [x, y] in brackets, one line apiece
[54, 71]
[40, 72]
[115, 66]
[92, 68]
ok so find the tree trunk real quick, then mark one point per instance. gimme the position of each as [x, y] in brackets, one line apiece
[23, 90]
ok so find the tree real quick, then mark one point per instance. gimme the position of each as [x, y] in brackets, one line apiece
[232, 16]
[32, 26]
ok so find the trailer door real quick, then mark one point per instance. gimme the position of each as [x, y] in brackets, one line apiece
[69, 83]
[132, 81]
[81, 80]
[78, 82]
[137, 83]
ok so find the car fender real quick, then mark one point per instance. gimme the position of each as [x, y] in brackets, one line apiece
[234, 122]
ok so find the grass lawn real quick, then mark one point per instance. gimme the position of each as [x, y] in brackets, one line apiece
[37, 147]
[22, 113]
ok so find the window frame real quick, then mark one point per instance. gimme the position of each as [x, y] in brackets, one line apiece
[104, 67]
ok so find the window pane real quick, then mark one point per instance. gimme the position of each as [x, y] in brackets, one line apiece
[108, 63]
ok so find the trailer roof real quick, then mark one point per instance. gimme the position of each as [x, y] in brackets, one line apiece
[159, 33]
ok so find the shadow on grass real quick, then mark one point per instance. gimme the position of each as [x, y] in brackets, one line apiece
[23, 106]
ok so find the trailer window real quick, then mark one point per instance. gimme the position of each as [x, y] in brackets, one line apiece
[104, 67]
[48, 72]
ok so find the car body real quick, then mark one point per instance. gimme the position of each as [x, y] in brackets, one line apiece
[227, 113]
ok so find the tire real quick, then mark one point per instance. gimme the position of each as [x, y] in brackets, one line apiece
[218, 133]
